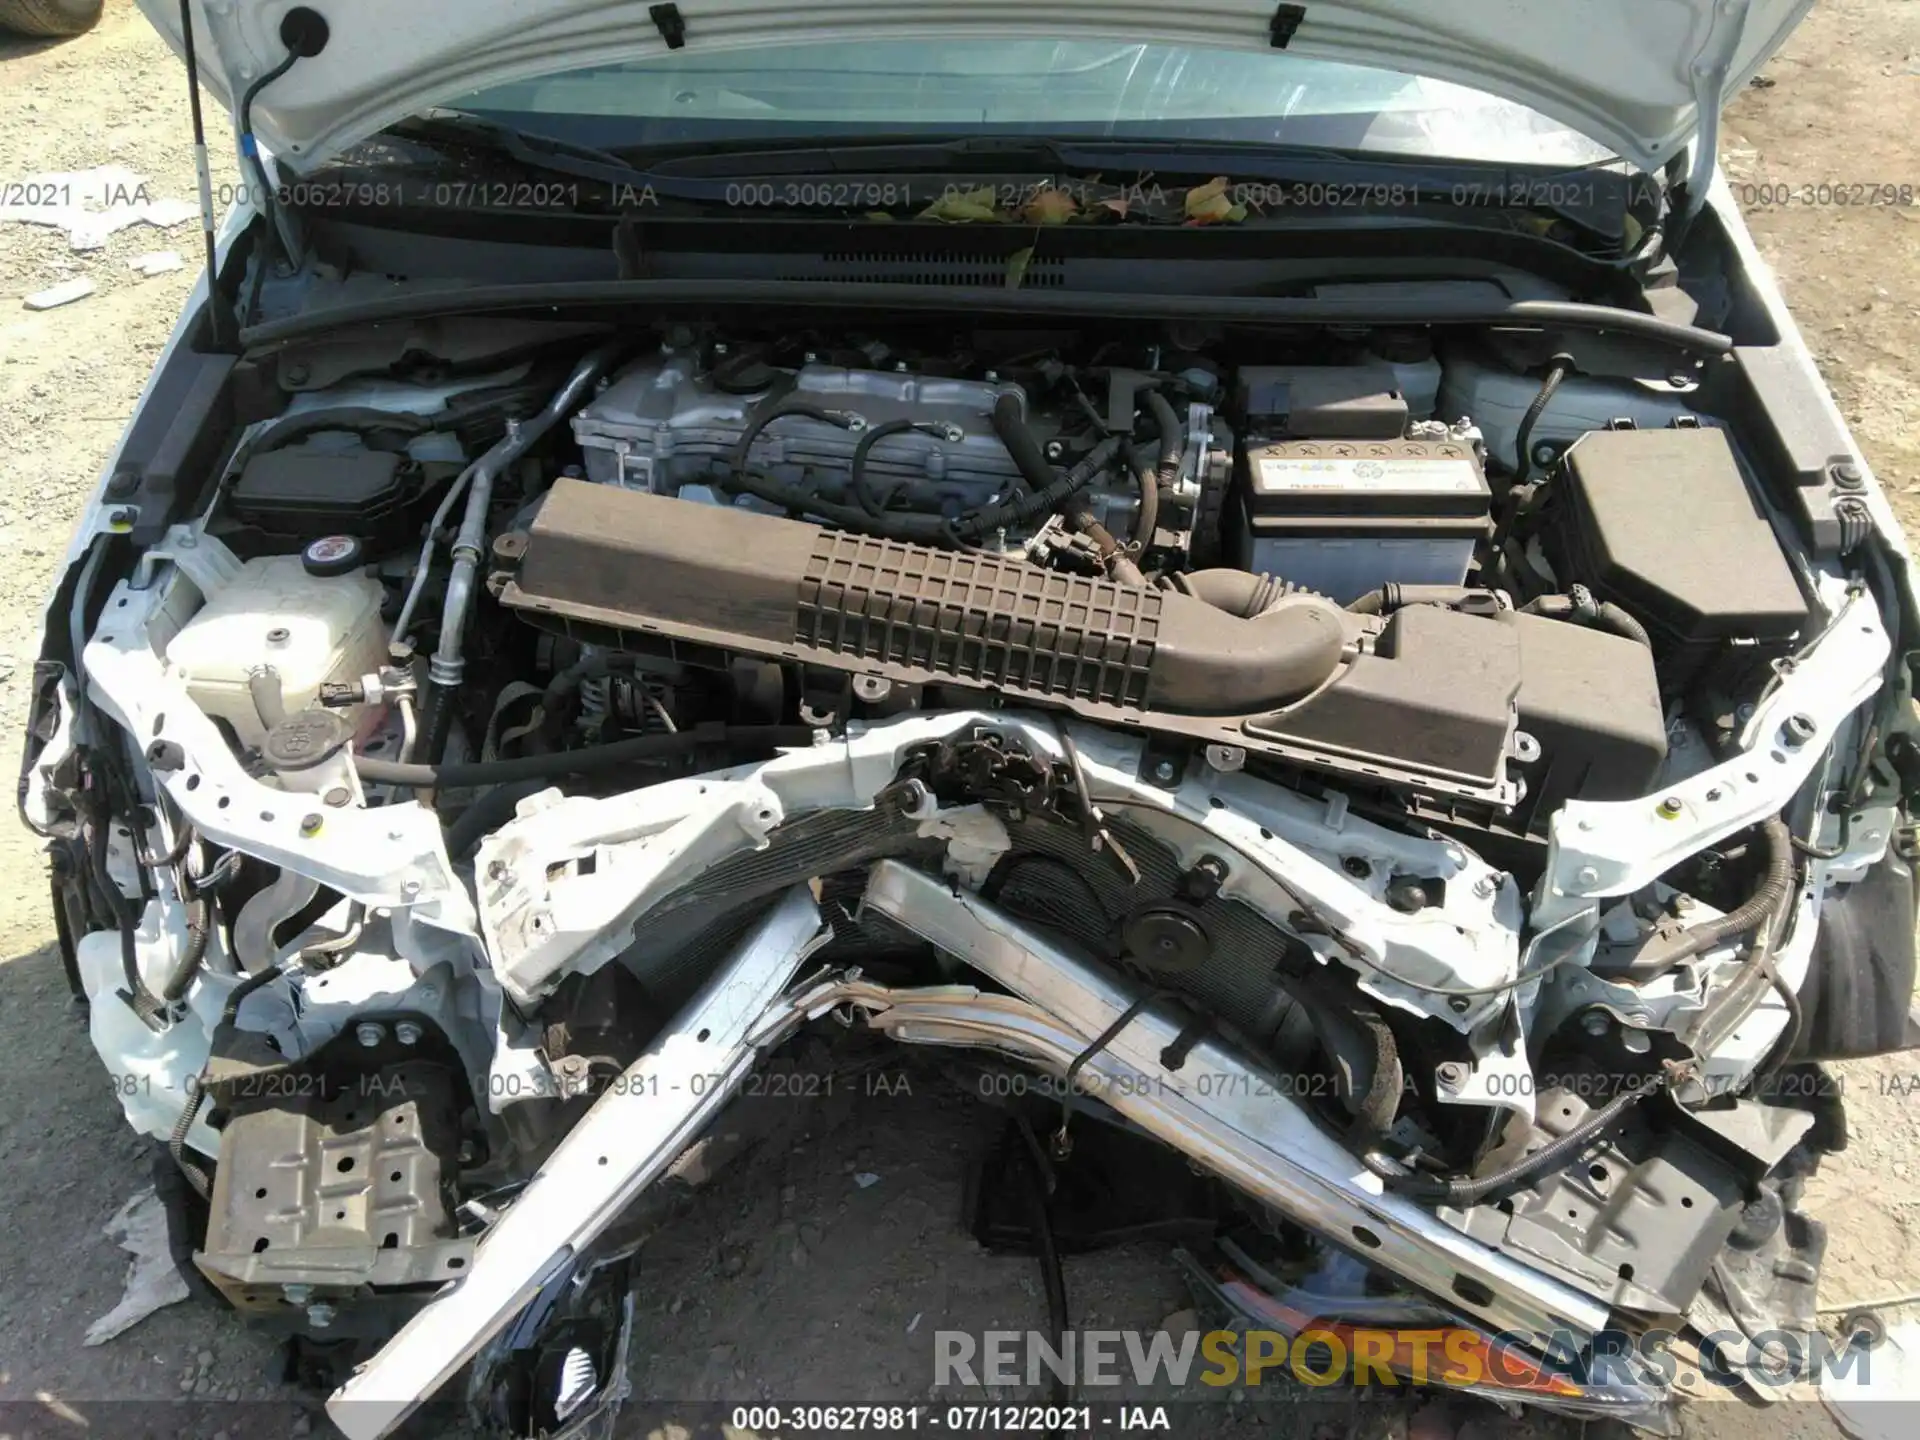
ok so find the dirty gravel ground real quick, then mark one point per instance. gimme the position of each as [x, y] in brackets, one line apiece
[789, 1280]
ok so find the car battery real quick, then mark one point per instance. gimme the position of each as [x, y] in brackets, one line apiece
[1343, 517]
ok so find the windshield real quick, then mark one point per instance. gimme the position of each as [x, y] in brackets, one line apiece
[1025, 87]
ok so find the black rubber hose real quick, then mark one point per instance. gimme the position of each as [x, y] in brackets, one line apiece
[1020, 509]
[1766, 899]
[1167, 473]
[1028, 458]
[1558, 368]
[230, 1012]
[1147, 517]
[1389, 598]
[1551, 1156]
[1578, 606]
[579, 762]
[269, 703]
[487, 814]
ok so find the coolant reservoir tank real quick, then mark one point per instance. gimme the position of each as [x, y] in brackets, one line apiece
[309, 628]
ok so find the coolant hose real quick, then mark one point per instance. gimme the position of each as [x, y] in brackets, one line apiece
[1011, 426]
[1166, 474]
[580, 762]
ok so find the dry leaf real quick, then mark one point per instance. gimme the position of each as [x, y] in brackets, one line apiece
[961, 206]
[1050, 207]
[878, 215]
[1017, 267]
[1119, 205]
[1208, 203]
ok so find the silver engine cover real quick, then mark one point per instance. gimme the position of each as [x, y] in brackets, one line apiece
[662, 426]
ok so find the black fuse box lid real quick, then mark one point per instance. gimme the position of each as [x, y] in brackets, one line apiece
[1662, 522]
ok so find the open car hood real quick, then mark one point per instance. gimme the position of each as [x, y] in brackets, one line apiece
[1632, 74]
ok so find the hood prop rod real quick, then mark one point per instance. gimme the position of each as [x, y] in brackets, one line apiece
[1709, 74]
[220, 318]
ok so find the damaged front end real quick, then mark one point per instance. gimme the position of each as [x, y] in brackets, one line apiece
[462, 777]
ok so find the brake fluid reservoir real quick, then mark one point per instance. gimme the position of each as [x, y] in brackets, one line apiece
[309, 628]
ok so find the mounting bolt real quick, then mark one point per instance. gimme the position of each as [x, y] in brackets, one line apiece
[1451, 1075]
[1357, 866]
[309, 826]
[278, 635]
[123, 483]
[1847, 476]
[497, 870]
[369, 1034]
[1596, 1023]
[1670, 808]
[1055, 450]
[1163, 771]
[339, 797]
[1226, 758]
[320, 1316]
[1586, 875]
[297, 1294]
[410, 890]
[1798, 730]
[407, 1033]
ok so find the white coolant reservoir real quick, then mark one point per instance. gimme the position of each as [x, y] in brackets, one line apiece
[309, 628]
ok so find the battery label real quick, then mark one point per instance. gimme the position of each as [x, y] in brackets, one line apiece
[1434, 475]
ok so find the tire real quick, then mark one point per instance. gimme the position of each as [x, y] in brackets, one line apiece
[49, 18]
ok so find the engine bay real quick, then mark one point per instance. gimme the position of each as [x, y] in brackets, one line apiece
[1331, 704]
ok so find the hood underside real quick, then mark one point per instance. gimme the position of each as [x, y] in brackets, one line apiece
[1631, 74]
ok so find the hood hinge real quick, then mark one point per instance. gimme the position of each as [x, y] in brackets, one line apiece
[1709, 76]
[1286, 20]
[671, 24]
